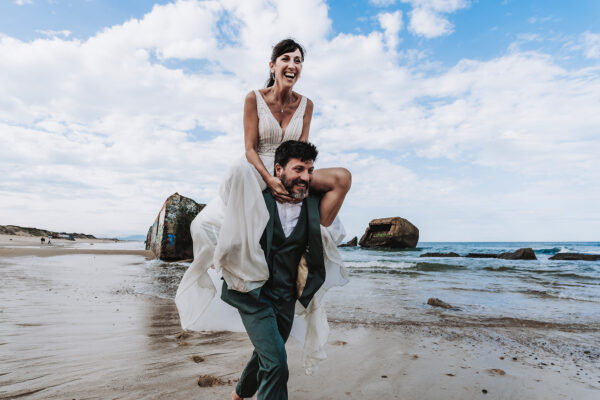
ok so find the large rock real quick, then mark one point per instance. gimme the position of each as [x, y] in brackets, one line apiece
[435, 302]
[451, 254]
[392, 232]
[169, 237]
[575, 256]
[350, 243]
[525, 253]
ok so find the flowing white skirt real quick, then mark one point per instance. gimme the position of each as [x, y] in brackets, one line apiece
[226, 235]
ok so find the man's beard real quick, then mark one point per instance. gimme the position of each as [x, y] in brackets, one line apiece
[289, 186]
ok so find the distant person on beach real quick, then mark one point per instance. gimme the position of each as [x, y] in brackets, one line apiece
[228, 231]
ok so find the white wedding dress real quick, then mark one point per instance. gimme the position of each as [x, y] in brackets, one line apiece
[226, 235]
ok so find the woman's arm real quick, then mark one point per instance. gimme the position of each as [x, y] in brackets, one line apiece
[251, 144]
[306, 121]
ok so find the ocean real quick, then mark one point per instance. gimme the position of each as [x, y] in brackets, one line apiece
[388, 286]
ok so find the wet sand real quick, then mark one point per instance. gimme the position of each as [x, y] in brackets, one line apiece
[75, 326]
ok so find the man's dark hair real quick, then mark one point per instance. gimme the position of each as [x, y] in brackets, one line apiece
[295, 149]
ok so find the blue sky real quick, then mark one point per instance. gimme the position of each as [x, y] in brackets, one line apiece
[475, 120]
[482, 30]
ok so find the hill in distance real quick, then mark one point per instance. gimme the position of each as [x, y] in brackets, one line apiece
[24, 231]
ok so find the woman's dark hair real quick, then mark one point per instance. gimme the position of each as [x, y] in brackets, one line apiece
[295, 149]
[284, 46]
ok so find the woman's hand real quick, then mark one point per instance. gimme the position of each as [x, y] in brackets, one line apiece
[278, 190]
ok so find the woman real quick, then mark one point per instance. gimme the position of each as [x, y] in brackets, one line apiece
[227, 232]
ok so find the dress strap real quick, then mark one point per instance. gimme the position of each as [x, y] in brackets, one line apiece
[302, 107]
[260, 102]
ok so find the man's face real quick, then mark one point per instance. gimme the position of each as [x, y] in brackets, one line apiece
[296, 176]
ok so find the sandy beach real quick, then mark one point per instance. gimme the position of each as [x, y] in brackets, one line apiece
[75, 325]
[16, 246]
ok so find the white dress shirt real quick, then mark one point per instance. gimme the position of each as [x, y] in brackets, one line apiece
[288, 215]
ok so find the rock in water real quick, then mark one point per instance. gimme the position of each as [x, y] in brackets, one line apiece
[169, 237]
[395, 232]
[481, 255]
[575, 256]
[525, 253]
[350, 243]
[451, 254]
[521, 254]
[435, 302]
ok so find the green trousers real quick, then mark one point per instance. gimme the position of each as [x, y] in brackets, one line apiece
[268, 323]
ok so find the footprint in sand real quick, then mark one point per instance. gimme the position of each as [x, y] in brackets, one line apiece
[496, 371]
[210, 381]
[182, 335]
[339, 343]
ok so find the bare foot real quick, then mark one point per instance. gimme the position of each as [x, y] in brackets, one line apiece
[234, 396]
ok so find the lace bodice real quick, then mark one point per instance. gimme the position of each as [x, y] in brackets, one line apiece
[270, 134]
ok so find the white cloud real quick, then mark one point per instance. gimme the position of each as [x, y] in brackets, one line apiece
[536, 19]
[23, 2]
[428, 17]
[391, 23]
[52, 33]
[426, 22]
[591, 44]
[95, 134]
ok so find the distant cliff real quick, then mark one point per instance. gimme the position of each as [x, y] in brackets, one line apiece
[22, 231]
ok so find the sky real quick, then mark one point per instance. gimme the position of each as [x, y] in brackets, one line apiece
[474, 120]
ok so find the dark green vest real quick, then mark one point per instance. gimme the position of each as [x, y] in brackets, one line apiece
[283, 254]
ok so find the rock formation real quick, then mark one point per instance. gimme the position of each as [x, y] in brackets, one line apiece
[482, 255]
[169, 237]
[435, 302]
[575, 256]
[350, 243]
[451, 254]
[392, 232]
[525, 253]
[521, 254]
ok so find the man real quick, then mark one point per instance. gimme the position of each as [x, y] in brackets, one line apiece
[293, 231]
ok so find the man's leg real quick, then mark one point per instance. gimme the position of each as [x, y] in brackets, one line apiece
[334, 183]
[248, 383]
[267, 370]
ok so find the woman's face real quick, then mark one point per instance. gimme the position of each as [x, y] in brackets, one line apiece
[287, 68]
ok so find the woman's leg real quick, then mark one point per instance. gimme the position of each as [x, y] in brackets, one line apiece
[334, 183]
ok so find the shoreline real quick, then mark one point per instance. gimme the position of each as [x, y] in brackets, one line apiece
[54, 251]
[23, 246]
